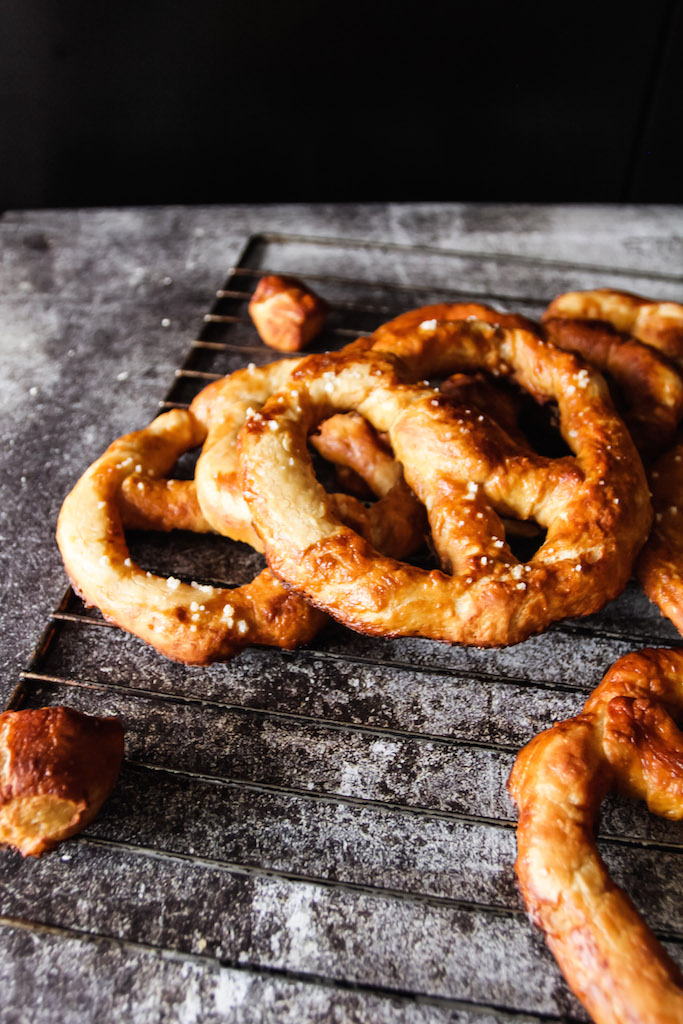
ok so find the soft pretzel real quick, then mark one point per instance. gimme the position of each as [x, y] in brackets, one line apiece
[467, 472]
[625, 738]
[57, 767]
[128, 486]
[660, 565]
[287, 314]
[658, 324]
[193, 623]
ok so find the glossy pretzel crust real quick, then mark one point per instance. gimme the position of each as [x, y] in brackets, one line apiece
[57, 767]
[286, 313]
[626, 737]
[660, 565]
[194, 623]
[658, 324]
[467, 472]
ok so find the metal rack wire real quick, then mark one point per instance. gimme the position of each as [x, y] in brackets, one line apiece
[359, 804]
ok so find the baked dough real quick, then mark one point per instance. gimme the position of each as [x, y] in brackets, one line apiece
[57, 767]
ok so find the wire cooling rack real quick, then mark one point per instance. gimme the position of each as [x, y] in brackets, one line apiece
[336, 816]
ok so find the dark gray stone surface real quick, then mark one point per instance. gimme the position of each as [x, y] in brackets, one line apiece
[287, 825]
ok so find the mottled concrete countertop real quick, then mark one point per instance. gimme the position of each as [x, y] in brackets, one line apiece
[97, 309]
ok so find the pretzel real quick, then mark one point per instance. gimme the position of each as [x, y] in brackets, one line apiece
[625, 738]
[650, 388]
[128, 486]
[660, 565]
[658, 324]
[57, 767]
[467, 472]
[286, 313]
[192, 623]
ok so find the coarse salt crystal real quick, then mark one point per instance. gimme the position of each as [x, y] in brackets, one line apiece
[428, 325]
[172, 583]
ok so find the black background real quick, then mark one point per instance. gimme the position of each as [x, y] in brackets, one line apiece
[149, 102]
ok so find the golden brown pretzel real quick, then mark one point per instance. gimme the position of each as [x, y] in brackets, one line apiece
[193, 623]
[467, 472]
[57, 767]
[626, 737]
[128, 486]
[659, 567]
[658, 324]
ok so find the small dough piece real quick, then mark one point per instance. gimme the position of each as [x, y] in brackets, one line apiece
[287, 314]
[57, 767]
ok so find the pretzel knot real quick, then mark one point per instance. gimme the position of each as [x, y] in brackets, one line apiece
[129, 486]
[467, 472]
[626, 738]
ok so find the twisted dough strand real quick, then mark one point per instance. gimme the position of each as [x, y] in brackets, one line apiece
[625, 737]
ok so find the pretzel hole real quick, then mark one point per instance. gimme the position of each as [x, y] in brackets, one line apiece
[523, 537]
[202, 558]
[525, 420]
[540, 425]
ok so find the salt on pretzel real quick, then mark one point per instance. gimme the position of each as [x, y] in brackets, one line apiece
[659, 567]
[625, 738]
[57, 767]
[658, 324]
[467, 472]
[193, 623]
